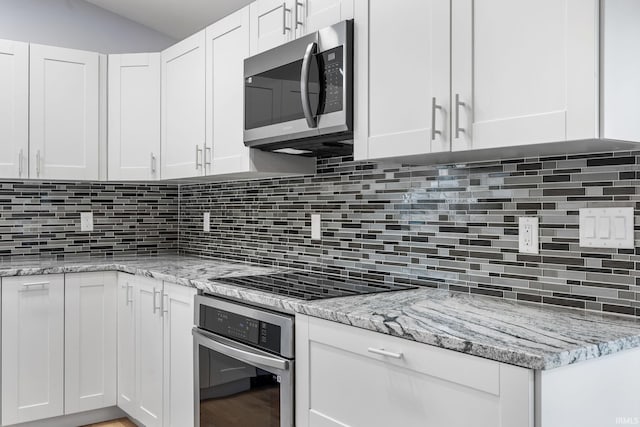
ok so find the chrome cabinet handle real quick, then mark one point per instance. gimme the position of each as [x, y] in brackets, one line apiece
[312, 49]
[284, 18]
[31, 285]
[296, 18]
[165, 307]
[198, 150]
[383, 352]
[207, 163]
[153, 163]
[434, 107]
[20, 160]
[155, 307]
[38, 163]
[458, 105]
[129, 299]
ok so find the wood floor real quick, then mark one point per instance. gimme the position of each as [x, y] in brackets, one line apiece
[122, 422]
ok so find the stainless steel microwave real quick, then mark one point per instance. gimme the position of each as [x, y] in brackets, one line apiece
[298, 97]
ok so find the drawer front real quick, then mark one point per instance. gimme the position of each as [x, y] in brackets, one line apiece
[469, 371]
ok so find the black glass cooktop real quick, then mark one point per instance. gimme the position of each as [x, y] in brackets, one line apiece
[311, 285]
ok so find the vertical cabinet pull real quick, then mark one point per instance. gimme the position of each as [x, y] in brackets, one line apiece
[153, 163]
[434, 107]
[296, 18]
[207, 162]
[284, 18]
[156, 307]
[198, 153]
[38, 163]
[458, 105]
[165, 306]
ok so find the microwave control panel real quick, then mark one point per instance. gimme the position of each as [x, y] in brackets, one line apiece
[331, 64]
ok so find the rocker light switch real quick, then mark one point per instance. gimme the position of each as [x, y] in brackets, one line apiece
[607, 228]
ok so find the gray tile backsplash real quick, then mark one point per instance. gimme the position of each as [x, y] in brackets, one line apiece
[452, 226]
[40, 218]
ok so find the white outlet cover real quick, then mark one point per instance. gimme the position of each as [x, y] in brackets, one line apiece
[86, 221]
[316, 232]
[528, 240]
[206, 222]
[607, 228]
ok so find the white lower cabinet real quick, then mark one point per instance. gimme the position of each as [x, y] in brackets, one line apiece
[90, 341]
[352, 377]
[32, 348]
[155, 351]
[178, 355]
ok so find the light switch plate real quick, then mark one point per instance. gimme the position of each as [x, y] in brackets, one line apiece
[86, 221]
[528, 241]
[607, 228]
[206, 222]
[316, 232]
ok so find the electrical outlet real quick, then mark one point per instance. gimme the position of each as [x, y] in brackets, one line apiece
[86, 221]
[206, 222]
[528, 235]
[316, 232]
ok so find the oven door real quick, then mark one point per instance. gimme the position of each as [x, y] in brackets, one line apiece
[240, 386]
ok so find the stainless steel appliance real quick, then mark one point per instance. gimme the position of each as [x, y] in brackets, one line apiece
[243, 365]
[299, 96]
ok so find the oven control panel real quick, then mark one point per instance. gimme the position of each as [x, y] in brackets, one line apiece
[241, 328]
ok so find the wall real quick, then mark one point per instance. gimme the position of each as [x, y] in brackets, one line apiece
[76, 24]
[450, 226]
[43, 218]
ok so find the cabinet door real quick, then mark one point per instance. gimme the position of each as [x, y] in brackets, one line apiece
[149, 351]
[397, 88]
[517, 84]
[410, 384]
[134, 116]
[32, 348]
[227, 47]
[313, 15]
[126, 344]
[90, 341]
[177, 311]
[14, 109]
[64, 113]
[183, 108]
[271, 24]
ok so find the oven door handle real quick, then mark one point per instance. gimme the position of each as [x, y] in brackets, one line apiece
[312, 49]
[210, 341]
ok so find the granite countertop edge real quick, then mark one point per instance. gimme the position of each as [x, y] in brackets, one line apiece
[389, 317]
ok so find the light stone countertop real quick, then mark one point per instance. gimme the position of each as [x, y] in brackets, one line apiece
[517, 333]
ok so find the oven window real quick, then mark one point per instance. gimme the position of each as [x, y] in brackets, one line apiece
[274, 96]
[234, 394]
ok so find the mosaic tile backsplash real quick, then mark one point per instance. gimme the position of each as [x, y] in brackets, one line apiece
[452, 226]
[43, 218]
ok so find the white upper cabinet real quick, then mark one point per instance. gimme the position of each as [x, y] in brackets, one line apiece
[513, 84]
[90, 341]
[271, 24]
[183, 108]
[134, 116]
[64, 113]
[227, 47]
[402, 54]
[621, 70]
[32, 348]
[14, 109]
[313, 15]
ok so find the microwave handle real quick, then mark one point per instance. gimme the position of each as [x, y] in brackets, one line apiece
[312, 49]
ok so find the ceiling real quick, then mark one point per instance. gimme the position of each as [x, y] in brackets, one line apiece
[175, 18]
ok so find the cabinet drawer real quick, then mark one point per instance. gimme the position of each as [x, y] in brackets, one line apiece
[469, 371]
